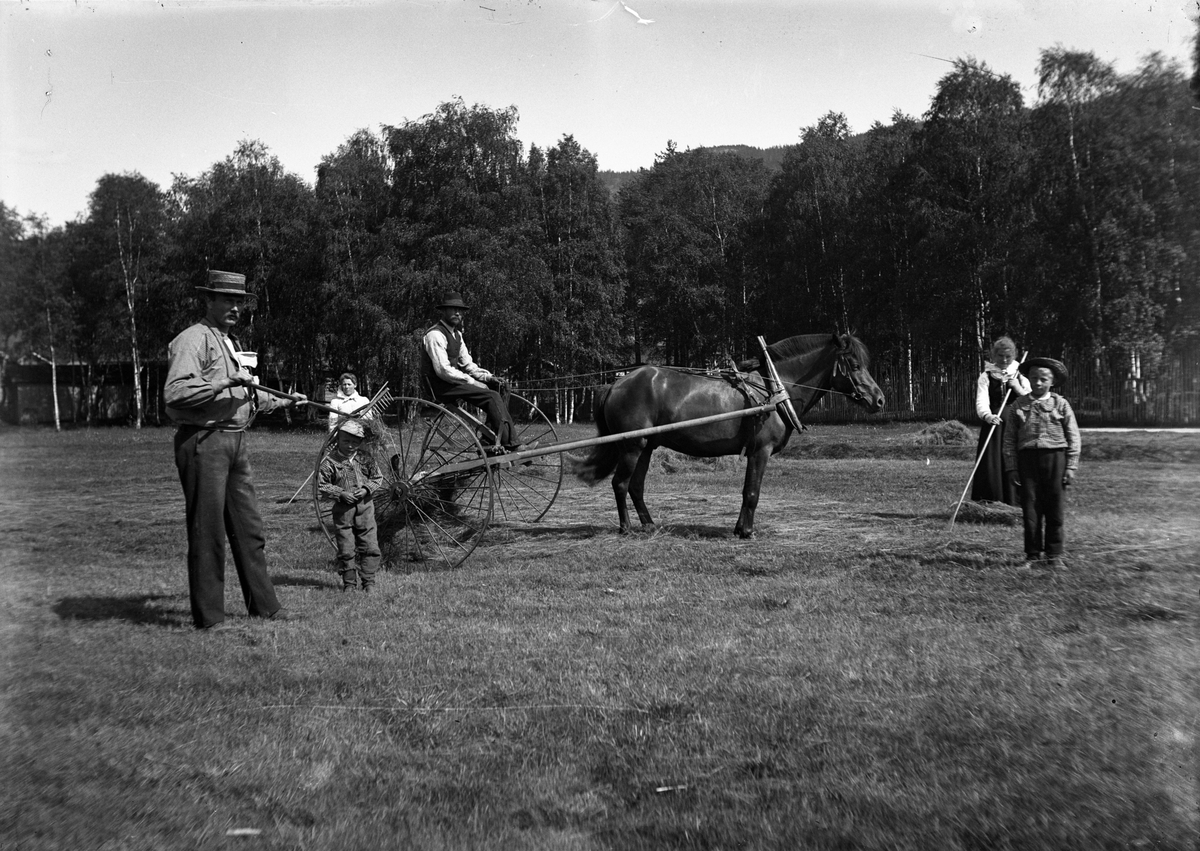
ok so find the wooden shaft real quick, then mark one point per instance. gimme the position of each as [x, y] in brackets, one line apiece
[272, 392]
[253, 385]
[598, 441]
[788, 409]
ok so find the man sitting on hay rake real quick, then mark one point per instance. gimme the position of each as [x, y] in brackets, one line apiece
[454, 377]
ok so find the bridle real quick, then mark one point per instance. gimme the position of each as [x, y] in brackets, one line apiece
[844, 367]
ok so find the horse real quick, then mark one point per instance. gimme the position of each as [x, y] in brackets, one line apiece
[808, 365]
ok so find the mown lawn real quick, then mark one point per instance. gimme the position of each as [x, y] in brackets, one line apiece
[857, 676]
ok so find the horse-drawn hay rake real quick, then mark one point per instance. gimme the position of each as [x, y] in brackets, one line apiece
[443, 487]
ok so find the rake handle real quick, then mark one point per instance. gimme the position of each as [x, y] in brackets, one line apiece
[982, 450]
[254, 385]
[361, 412]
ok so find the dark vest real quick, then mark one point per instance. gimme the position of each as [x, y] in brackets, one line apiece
[453, 350]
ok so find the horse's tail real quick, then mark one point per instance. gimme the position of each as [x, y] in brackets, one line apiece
[601, 461]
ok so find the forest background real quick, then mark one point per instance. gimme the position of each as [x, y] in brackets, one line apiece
[1070, 224]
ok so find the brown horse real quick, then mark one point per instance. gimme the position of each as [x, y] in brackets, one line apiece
[809, 365]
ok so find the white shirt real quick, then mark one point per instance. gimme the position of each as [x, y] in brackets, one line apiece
[463, 370]
[349, 404]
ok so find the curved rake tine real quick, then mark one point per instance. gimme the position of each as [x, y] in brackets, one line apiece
[447, 533]
[517, 494]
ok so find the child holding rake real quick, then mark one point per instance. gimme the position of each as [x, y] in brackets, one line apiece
[1041, 456]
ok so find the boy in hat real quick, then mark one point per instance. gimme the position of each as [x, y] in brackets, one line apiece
[350, 478]
[453, 375]
[1041, 455]
[208, 396]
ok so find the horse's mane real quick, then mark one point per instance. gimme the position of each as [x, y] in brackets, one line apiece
[803, 344]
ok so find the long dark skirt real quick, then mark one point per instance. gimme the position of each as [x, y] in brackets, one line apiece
[990, 484]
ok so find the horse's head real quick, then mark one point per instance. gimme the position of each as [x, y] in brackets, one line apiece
[850, 375]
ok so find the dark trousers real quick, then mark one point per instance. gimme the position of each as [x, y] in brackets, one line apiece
[1041, 472]
[218, 492]
[356, 534]
[494, 405]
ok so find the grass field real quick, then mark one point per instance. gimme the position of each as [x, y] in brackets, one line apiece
[856, 676]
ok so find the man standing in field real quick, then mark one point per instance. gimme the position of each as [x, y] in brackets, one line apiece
[208, 398]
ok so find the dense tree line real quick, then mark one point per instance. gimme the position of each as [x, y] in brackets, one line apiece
[1070, 223]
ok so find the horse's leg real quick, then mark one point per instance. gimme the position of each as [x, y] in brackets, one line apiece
[756, 465]
[620, 484]
[637, 486]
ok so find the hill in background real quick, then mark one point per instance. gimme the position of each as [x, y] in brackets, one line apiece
[772, 158]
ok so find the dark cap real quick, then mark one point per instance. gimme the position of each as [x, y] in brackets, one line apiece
[453, 300]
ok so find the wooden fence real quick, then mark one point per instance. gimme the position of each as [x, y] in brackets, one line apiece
[1169, 399]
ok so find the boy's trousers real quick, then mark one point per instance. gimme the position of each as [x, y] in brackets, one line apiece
[355, 532]
[1041, 472]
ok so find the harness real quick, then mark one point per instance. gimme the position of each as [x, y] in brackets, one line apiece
[755, 389]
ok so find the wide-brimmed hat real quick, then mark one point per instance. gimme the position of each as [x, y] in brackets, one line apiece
[353, 427]
[226, 283]
[453, 300]
[1055, 366]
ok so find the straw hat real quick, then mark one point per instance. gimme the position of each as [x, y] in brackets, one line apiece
[1055, 366]
[226, 283]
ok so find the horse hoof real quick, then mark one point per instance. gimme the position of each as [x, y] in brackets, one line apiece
[743, 534]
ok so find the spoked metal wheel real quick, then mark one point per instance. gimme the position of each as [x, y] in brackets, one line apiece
[525, 490]
[437, 497]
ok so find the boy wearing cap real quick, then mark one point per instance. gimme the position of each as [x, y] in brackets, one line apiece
[1041, 455]
[351, 479]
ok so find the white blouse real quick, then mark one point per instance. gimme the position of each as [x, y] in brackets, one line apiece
[1010, 375]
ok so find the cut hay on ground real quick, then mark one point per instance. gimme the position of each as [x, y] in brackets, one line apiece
[989, 512]
[943, 433]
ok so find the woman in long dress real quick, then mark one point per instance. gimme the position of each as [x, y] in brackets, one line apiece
[999, 376]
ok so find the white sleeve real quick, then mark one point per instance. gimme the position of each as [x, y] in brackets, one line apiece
[469, 366]
[435, 347]
[983, 404]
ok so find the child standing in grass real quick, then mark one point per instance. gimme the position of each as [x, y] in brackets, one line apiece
[350, 479]
[1041, 457]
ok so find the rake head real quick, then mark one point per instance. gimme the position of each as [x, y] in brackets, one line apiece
[378, 402]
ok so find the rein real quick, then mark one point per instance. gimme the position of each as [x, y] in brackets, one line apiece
[544, 384]
[719, 375]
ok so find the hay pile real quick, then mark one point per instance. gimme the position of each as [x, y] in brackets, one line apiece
[989, 512]
[943, 433]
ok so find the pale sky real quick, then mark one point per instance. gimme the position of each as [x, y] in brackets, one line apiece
[163, 88]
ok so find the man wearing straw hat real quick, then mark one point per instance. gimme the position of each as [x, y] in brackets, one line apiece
[453, 375]
[208, 397]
